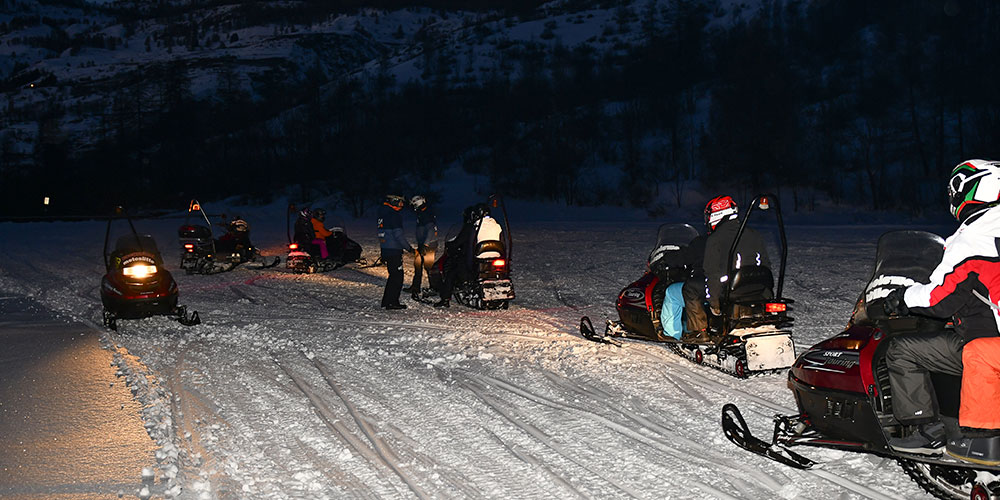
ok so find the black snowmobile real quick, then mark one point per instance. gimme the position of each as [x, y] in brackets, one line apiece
[483, 281]
[842, 390]
[752, 334]
[202, 253]
[304, 256]
[136, 285]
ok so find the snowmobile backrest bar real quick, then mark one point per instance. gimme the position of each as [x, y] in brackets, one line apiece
[771, 201]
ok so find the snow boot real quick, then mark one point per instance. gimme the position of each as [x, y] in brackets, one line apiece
[929, 439]
[978, 450]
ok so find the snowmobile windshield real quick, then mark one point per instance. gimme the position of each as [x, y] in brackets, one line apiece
[671, 240]
[130, 243]
[904, 258]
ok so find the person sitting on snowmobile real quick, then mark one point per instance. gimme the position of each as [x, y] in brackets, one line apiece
[691, 259]
[237, 236]
[427, 233]
[461, 261]
[721, 221]
[964, 286]
[320, 232]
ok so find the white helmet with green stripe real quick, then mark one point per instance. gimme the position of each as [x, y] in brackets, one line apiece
[974, 185]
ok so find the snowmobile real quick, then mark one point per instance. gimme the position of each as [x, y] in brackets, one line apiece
[487, 284]
[136, 285]
[202, 253]
[304, 255]
[842, 389]
[753, 332]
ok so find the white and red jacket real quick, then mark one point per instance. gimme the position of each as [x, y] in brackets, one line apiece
[966, 284]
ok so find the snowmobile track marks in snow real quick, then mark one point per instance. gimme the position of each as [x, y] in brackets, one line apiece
[478, 389]
[330, 419]
[657, 437]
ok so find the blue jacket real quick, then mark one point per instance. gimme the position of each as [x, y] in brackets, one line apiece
[426, 226]
[390, 229]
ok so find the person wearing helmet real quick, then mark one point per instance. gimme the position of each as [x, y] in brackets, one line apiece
[965, 286]
[320, 232]
[427, 233]
[722, 226]
[304, 232]
[393, 244]
[461, 261]
[236, 238]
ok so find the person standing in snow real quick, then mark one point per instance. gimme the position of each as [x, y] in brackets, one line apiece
[427, 233]
[393, 244]
[964, 286]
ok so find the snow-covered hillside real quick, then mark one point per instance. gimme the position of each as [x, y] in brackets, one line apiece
[302, 387]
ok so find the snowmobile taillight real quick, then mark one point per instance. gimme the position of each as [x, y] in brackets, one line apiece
[293, 246]
[498, 263]
[139, 271]
[189, 247]
[775, 307]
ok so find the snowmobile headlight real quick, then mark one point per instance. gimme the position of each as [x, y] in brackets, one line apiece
[139, 271]
[775, 307]
[293, 246]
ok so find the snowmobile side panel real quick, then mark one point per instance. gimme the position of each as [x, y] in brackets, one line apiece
[839, 415]
[770, 351]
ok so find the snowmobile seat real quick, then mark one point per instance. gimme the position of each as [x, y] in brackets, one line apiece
[489, 249]
[751, 283]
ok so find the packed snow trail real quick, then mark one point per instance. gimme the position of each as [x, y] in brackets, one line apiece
[451, 403]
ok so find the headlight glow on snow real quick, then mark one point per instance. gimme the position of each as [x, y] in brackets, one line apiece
[139, 271]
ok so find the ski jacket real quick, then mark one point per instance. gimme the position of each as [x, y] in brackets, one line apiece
[966, 284]
[750, 252]
[390, 229]
[426, 227]
[320, 231]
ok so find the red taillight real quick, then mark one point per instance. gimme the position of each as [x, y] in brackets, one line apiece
[189, 246]
[293, 246]
[775, 307]
[499, 263]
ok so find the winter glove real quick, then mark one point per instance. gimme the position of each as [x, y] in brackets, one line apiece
[894, 305]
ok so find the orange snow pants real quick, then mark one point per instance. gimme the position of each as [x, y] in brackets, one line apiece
[981, 384]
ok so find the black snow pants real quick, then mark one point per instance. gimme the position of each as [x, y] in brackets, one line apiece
[394, 285]
[694, 300]
[911, 358]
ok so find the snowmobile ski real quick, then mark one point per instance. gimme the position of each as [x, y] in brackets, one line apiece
[737, 431]
[588, 332]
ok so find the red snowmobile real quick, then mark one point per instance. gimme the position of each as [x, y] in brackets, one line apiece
[753, 333]
[842, 389]
[136, 284]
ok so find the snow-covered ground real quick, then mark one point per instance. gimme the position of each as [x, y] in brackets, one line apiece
[302, 387]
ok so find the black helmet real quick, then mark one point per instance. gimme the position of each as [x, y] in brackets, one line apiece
[395, 201]
[475, 212]
[974, 185]
[319, 214]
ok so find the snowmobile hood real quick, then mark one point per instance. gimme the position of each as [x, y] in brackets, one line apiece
[835, 363]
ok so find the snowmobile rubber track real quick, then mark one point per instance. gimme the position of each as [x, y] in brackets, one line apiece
[676, 348]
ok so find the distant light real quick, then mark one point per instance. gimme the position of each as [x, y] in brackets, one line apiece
[45, 201]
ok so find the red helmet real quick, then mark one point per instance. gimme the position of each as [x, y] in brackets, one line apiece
[719, 209]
